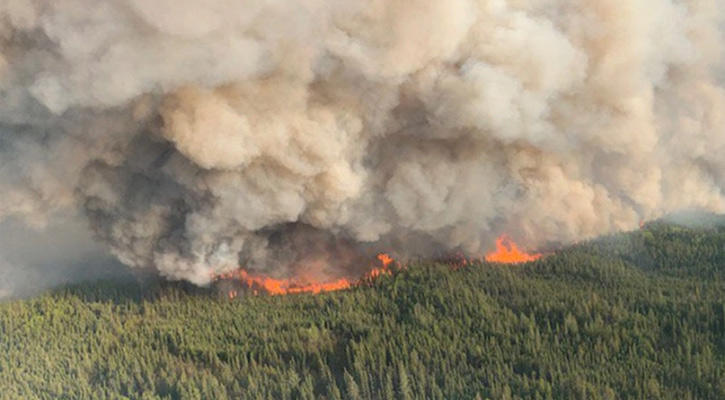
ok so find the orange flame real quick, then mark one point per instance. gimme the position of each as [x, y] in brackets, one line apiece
[508, 253]
[290, 286]
[386, 260]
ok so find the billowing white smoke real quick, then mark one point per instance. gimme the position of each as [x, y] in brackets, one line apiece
[291, 137]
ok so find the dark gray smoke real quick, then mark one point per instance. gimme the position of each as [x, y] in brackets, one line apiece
[294, 137]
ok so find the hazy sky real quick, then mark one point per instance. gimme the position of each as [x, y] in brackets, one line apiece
[34, 259]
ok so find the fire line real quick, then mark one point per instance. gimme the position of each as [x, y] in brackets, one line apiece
[508, 253]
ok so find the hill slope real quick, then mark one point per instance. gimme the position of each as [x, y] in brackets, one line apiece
[636, 315]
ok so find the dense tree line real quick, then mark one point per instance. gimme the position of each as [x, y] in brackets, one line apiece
[629, 316]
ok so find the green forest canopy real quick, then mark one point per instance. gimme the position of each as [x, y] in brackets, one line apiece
[628, 316]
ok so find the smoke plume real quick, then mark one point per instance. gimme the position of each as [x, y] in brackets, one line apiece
[294, 137]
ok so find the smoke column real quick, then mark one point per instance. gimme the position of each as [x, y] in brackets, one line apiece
[294, 137]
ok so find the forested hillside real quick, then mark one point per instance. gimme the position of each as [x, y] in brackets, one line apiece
[629, 316]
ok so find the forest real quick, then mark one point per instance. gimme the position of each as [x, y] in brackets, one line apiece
[634, 315]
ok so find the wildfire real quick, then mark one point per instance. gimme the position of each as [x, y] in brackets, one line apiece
[508, 253]
[273, 286]
[385, 259]
[288, 286]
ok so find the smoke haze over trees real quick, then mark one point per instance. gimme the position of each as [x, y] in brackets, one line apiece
[299, 137]
[630, 316]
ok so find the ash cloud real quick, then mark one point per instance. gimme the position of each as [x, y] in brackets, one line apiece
[295, 137]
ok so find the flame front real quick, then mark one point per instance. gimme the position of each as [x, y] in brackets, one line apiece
[257, 284]
[508, 253]
[288, 286]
